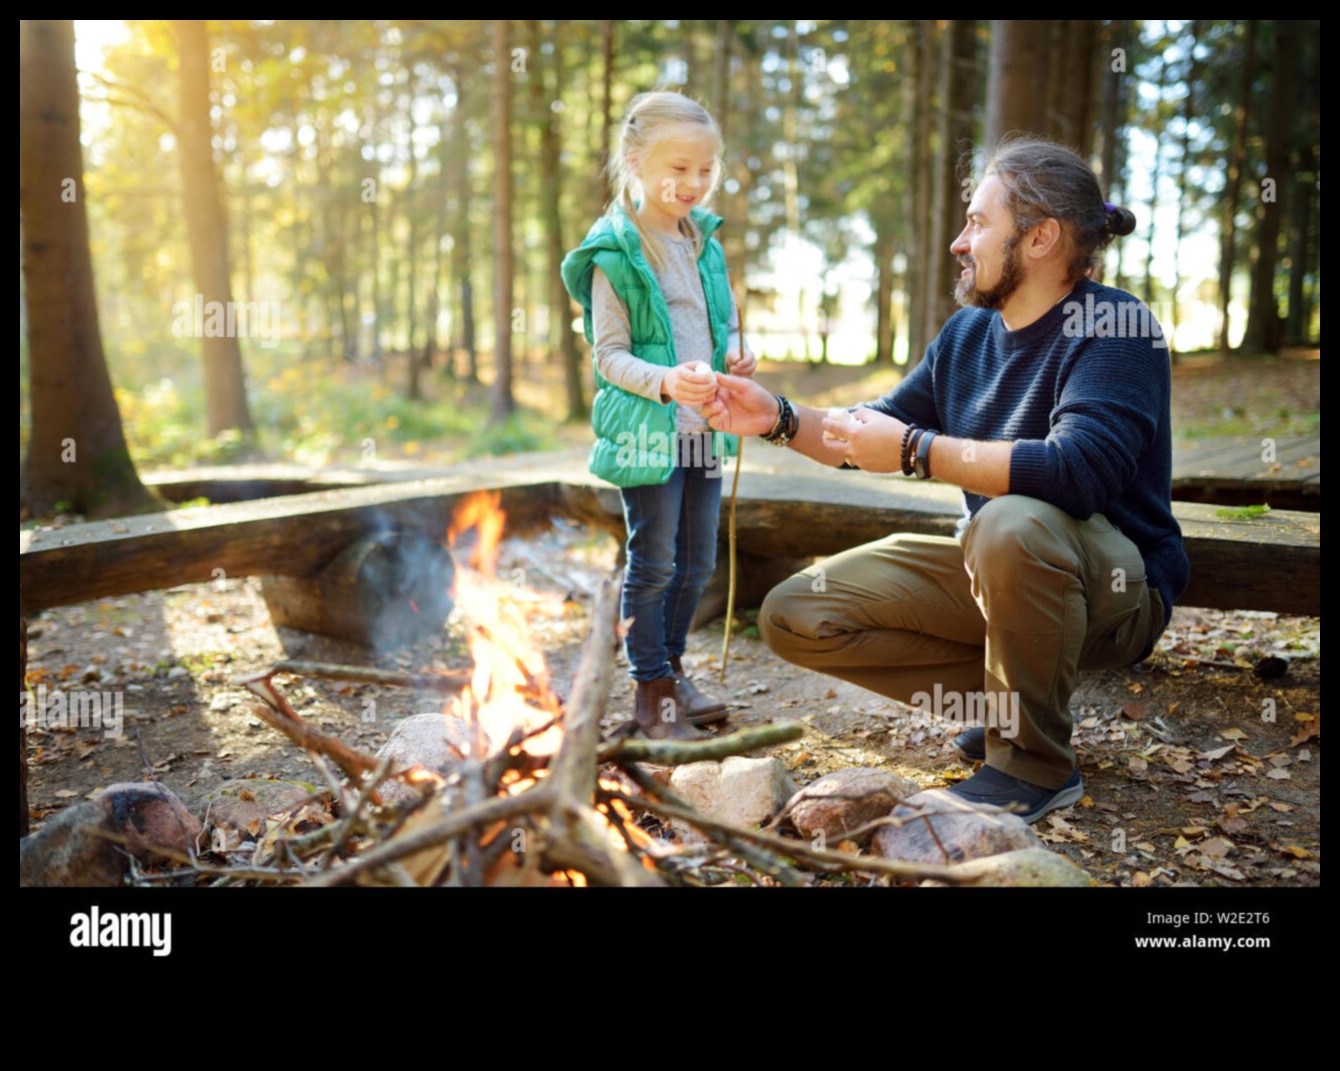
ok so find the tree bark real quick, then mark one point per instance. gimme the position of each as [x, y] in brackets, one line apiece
[1232, 202]
[77, 455]
[958, 92]
[501, 403]
[1018, 66]
[1265, 329]
[225, 386]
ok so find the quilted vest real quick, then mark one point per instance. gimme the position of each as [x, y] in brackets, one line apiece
[635, 436]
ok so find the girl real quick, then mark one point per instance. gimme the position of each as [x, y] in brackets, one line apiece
[661, 319]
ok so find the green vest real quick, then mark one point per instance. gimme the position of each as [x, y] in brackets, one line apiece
[635, 436]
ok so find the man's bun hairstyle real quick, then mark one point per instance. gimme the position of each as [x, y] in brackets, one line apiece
[1046, 180]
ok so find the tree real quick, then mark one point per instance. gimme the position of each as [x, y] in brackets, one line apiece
[77, 454]
[1018, 67]
[225, 387]
[501, 402]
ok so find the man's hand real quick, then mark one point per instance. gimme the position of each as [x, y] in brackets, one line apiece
[689, 384]
[741, 362]
[869, 440]
[741, 407]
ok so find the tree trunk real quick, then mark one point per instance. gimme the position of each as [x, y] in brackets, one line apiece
[918, 329]
[1183, 193]
[958, 92]
[1018, 66]
[1155, 176]
[23, 729]
[884, 246]
[560, 305]
[463, 329]
[1073, 106]
[1265, 330]
[413, 386]
[225, 387]
[603, 191]
[77, 455]
[501, 403]
[1236, 160]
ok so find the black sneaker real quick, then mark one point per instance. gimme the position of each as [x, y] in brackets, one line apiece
[971, 744]
[1029, 801]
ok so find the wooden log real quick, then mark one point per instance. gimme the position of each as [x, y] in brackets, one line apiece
[1266, 563]
[384, 591]
[292, 536]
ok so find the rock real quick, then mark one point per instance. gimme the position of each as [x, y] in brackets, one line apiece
[967, 831]
[1025, 868]
[241, 806]
[422, 740]
[68, 850]
[844, 800]
[150, 816]
[744, 792]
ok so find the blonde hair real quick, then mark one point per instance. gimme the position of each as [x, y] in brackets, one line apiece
[651, 118]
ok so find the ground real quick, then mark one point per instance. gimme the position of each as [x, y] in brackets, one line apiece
[1196, 771]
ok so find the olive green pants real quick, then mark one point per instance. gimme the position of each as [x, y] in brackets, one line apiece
[1029, 598]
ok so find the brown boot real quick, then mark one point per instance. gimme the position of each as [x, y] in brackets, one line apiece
[699, 709]
[659, 714]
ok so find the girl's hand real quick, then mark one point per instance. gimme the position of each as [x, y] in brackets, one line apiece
[689, 384]
[741, 362]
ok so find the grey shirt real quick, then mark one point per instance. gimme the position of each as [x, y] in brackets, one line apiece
[683, 292]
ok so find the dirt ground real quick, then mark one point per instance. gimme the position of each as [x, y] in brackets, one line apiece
[1188, 779]
[1196, 771]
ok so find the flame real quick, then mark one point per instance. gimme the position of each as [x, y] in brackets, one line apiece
[509, 687]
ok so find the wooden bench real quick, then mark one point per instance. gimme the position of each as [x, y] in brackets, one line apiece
[788, 509]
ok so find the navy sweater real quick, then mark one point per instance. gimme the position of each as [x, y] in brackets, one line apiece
[1084, 395]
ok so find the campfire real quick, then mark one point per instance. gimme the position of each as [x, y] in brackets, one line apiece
[536, 795]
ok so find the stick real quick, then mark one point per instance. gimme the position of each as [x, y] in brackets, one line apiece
[730, 588]
[671, 752]
[423, 682]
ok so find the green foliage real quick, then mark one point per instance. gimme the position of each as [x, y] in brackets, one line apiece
[1242, 513]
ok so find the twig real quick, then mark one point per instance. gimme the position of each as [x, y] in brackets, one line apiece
[347, 823]
[283, 717]
[730, 586]
[421, 682]
[746, 851]
[671, 752]
[827, 860]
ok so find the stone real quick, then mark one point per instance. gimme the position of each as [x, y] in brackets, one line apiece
[70, 850]
[243, 805]
[150, 816]
[741, 791]
[846, 799]
[1026, 868]
[423, 740]
[967, 831]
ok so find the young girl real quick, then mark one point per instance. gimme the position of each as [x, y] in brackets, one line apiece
[660, 316]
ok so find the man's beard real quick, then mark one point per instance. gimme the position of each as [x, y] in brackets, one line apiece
[1011, 277]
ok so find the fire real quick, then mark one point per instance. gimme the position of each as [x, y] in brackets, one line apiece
[509, 688]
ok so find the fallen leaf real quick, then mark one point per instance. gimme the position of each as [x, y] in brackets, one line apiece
[1137, 764]
[1135, 711]
[1278, 774]
[66, 794]
[1216, 847]
[1283, 808]
[1217, 753]
[1297, 852]
[1233, 734]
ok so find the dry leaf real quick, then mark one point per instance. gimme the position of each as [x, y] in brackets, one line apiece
[1233, 734]
[1297, 852]
[1217, 753]
[1278, 774]
[1135, 711]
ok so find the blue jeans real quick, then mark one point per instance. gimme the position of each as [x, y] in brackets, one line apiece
[672, 554]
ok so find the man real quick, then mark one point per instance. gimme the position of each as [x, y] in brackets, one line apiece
[1046, 398]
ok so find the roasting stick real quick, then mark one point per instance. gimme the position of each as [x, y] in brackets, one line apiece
[734, 494]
